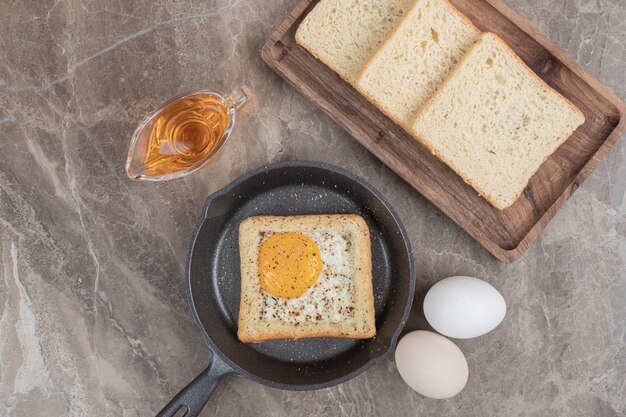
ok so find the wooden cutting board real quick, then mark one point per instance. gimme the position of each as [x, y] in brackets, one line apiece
[506, 234]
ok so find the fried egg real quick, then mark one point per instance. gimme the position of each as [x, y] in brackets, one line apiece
[306, 276]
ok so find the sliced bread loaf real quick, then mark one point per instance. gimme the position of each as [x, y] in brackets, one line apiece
[494, 121]
[343, 34]
[415, 58]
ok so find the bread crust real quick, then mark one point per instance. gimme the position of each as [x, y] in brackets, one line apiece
[252, 329]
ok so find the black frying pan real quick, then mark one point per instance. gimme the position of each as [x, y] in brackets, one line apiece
[289, 188]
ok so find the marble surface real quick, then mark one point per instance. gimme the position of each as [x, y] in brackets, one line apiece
[93, 316]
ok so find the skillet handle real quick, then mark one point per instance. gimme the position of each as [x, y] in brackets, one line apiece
[197, 393]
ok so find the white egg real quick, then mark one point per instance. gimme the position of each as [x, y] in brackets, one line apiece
[464, 307]
[431, 364]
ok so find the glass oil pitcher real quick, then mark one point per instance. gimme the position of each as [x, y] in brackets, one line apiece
[183, 135]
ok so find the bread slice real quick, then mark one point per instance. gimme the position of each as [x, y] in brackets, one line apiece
[415, 58]
[494, 121]
[344, 33]
[339, 304]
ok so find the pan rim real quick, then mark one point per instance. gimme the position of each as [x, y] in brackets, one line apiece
[236, 369]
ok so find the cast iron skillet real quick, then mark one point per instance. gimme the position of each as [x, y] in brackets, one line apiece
[289, 188]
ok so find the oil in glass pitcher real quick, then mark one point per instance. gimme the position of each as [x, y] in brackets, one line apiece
[183, 135]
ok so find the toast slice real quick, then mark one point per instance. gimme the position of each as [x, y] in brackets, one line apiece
[344, 33]
[415, 58]
[339, 304]
[494, 121]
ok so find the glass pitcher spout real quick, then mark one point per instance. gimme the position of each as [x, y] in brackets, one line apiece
[237, 98]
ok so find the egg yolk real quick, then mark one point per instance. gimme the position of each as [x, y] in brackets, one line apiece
[289, 263]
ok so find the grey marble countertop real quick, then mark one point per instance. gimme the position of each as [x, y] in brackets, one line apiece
[93, 316]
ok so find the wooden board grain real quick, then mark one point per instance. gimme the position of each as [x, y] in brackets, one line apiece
[506, 234]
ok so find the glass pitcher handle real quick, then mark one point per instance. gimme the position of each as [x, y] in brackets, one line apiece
[237, 98]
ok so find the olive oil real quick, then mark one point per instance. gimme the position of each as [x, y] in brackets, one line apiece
[184, 133]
